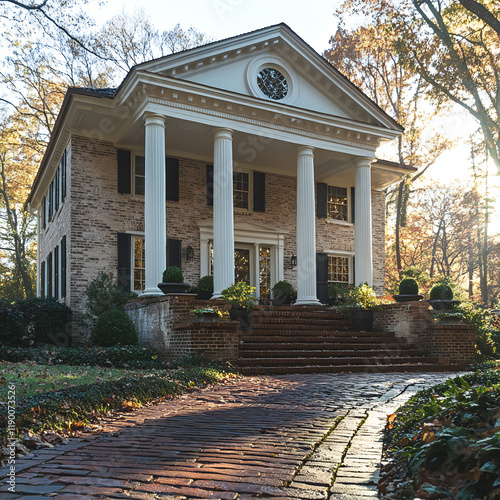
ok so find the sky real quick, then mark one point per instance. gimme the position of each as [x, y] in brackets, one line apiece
[315, 23]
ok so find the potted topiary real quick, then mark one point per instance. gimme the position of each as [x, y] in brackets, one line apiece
[361, 301]
[173, 281]
[205, 288]
[283, 293]
[408, 291]
[242, 300]
[441, 297]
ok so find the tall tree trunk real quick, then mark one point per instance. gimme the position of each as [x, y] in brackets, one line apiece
[399, 209]
[434, 250]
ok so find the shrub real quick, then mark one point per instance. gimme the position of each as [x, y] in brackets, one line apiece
[484, 326]
[283, 289]
[206, 284]
[11, 331]
[408, 286]
[240, 295]
[113, 328]
[339, 292]
[44, 321]
[362, 297]
[173, 275]
[441, 292]
[103, 294]
[131, 357]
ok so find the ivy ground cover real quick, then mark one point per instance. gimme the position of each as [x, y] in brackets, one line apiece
[445, 442]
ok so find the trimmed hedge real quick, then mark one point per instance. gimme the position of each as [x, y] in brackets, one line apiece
[408, 286]
[131, 357]
[35, 321]
[441, 292]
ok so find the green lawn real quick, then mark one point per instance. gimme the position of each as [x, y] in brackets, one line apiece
[31, 379]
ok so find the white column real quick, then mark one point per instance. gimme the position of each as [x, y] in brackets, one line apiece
[306, 229]
[154, 204]
[223, 211]
[363, 226]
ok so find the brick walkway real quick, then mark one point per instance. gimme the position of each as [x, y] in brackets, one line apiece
[296, 436]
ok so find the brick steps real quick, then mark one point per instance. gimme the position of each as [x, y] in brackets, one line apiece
[321, 346]
[317, 340]
[395, 367]
[251, 354]
[335, 361]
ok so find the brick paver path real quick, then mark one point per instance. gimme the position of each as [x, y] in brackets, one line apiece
[296, 436]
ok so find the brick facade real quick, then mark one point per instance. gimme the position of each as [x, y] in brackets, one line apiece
[94, 212]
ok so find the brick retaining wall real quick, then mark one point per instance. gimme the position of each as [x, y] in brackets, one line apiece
[166, 323]
[413, 323]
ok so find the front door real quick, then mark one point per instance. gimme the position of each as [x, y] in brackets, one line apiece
[242, 265]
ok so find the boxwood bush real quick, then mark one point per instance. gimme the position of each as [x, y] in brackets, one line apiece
[441, 292]
[112, 328]
[131, 357]
[34, 321]
[408, 286]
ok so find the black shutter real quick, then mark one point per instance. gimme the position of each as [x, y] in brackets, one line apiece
[124, 171]
[321, 200]
[322, 277]
[42, 280]
[210, 185]
[259, 192]
[44, 212]
[49, 275]
[51, 200]
[354, 270]
[352, 204]
[124, 261]
[63, 267]
[57, 190]
[174, 257]
[63, 176]
[172, 178]
[56, 272]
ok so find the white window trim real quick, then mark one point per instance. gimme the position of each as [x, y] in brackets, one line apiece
[343, 253]
[258, 64]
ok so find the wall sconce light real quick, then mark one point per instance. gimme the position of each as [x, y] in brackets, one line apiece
[293, 262]
[189, 253]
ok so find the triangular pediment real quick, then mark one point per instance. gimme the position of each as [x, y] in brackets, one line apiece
[238, 65]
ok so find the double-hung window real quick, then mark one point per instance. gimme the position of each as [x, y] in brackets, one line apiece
[139, 175]
[337, 203]
[241, 189]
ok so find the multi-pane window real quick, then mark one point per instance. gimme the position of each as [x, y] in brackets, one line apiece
[139, 175]
[337, 203]
[240, 189]
[338, 269]
[139, 266]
